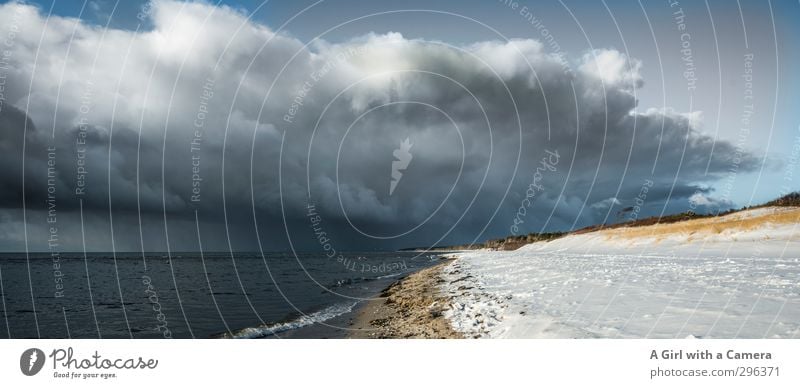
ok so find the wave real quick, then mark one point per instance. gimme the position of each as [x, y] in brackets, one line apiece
[392, 275]
[306, 320]
[350, 281]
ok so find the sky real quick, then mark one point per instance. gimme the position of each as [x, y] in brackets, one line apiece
[349, 125]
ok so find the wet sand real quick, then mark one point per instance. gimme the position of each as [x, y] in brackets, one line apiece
[410, 308]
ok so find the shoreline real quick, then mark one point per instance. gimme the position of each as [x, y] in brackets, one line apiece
[411, 307]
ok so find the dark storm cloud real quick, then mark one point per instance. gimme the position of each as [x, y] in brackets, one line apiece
[480, 118]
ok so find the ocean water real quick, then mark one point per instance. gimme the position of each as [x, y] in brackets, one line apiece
[243, 295]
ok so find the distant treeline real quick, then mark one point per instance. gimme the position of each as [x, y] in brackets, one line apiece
[792, 199]
[511, 243]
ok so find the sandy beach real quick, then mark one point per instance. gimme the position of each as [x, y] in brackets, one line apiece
[676, 280]
[410, 308]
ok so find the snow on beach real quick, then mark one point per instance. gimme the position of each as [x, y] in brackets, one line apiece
[736, 276]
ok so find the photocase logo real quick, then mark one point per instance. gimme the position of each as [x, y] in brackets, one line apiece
[31, 361]
[403, 158]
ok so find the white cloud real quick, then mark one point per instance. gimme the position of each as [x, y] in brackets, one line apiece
[614, 68]
[701, 199]
[606, 203]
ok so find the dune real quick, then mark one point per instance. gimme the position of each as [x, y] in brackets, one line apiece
[733, 276]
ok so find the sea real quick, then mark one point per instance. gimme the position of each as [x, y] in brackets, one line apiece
[193, 295]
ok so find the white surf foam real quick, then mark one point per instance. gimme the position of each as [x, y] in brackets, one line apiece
[306, 320]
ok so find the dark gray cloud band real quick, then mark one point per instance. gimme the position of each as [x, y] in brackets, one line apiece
[209, 115]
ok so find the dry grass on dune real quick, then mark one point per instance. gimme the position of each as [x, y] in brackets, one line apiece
[740, 221]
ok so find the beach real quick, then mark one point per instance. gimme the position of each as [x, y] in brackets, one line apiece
[733, 276]
[412, 307]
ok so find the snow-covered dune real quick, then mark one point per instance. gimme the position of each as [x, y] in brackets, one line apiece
[736, 276]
